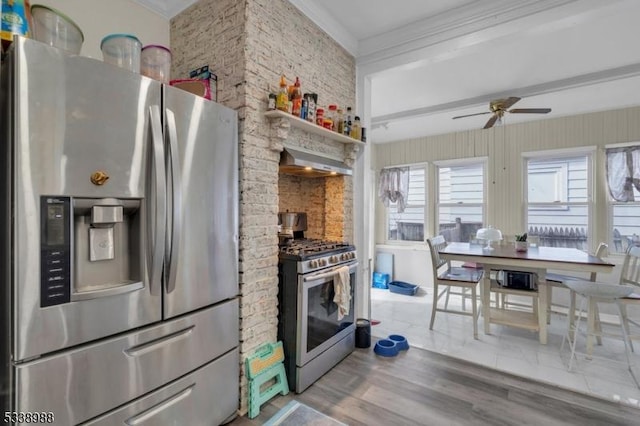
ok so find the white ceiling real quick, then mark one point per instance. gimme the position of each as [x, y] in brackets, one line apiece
[430, 60]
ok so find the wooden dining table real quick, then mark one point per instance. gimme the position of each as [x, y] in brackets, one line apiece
[537, 260]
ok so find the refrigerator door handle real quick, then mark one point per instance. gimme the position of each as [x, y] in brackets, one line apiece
[146, 415]
[113, 291]
[155, 344]
[176, 211]
[158, 236]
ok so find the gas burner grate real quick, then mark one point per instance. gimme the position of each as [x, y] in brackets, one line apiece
[310, 246]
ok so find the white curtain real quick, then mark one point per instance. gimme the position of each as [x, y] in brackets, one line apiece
[623, 172]
[393, 187]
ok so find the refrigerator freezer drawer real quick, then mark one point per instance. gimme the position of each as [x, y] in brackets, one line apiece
[208, 396]
[82, 383]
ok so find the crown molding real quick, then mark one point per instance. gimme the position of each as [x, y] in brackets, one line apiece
[324, 20]
[164, 8]
[455, 22]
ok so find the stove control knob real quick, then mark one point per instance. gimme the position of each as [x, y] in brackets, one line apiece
[313, 264]
[352, 255]
[322, 262]
[344, 256]
[333, 259]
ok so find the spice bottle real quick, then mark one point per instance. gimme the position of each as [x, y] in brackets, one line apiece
[296, 98]
[332, 113]
[282, 100]
[320, 116]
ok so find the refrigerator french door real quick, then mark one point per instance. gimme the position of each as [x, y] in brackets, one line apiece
[119, 239]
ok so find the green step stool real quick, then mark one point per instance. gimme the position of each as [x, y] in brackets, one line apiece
[264, 365]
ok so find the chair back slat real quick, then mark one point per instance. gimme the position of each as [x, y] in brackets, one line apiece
[601, 252]
[435, 245]
[630, 274]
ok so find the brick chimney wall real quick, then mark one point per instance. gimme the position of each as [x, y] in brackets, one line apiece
[249, 44]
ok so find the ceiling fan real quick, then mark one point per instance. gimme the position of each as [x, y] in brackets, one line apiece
[499, 106]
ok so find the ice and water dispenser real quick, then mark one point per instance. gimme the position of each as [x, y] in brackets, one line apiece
[90, 248]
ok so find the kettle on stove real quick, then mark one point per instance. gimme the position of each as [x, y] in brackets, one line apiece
[292, 224]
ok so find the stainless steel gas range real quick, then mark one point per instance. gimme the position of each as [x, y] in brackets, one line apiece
[315, 333]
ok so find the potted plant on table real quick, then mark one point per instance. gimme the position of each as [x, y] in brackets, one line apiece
[521, 242]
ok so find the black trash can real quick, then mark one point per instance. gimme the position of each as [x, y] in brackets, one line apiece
[363, 333]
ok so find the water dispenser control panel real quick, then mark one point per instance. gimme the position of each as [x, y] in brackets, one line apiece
[55, 250]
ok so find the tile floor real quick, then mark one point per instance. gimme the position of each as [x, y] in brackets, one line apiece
[509, 349]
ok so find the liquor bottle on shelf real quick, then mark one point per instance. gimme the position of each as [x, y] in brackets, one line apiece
[312, 103]
[347, 123]
[355, 129]
[339, 127]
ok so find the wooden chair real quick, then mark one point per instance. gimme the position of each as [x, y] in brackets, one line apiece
[445, 276]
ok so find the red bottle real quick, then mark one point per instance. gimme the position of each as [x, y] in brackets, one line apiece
[296, 98]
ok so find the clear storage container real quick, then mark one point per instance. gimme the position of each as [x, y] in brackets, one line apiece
[55, 29]
[122, 50]
[155, 62]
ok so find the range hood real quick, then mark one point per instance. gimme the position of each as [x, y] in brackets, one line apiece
[303, 163]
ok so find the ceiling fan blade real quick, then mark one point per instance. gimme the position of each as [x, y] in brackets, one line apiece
[471, 115]
[508, 103]
[491, 122]
[530, 110]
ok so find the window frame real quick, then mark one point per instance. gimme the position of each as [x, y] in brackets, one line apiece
[459, 162]
[558, 154]
[611, 203]
[425, 214]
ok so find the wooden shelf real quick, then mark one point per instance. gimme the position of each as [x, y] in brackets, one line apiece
[495, 288]
[513, 318]
[311, 127]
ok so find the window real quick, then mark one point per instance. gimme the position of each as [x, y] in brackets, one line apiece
[558, 189]
[623, 182]
[460, 200]
[409, 225]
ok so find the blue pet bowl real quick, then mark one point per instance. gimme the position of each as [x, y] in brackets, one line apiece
[400, 341]
[386, 347]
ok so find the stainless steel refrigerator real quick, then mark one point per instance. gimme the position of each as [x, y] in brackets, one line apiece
[119, 245]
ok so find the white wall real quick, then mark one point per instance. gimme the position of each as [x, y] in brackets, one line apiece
[98, 18]
[411, 264]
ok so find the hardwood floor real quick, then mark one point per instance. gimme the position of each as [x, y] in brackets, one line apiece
[424, 388]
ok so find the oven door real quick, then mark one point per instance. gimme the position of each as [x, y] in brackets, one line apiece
[318, 325]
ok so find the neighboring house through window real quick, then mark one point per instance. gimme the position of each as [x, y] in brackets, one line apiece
[558, 197]
[460, 198]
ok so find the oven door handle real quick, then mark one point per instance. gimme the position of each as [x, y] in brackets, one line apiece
[329, 273]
